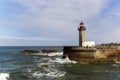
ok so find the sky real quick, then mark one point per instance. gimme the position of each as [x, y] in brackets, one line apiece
[55, 22]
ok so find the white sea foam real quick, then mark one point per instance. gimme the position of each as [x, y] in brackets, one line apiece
[4, 76]
[56, 54]
[116, 65]
[50, 71]
[59, 60]
[38, 74]
[50, 54]
[49, 74]
[117, 62]
[49, 67]
[55, 73]
[63, 61]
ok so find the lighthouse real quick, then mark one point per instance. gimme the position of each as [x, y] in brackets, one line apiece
[81, 30]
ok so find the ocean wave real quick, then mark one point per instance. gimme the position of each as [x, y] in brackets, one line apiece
[116, 65]
[56, 54]
[62, 61]
[50, 54]
[49, 71]
[117, 62]
[50, 74]
[4, 76]
[50, 66]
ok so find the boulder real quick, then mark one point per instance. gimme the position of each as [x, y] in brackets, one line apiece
[44, 66]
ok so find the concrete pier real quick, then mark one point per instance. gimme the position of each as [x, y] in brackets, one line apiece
[91, 55]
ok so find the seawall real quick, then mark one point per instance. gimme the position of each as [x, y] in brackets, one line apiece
[92, 54]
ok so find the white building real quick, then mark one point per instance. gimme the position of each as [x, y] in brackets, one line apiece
[88, 43]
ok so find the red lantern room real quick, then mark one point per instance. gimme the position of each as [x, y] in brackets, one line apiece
[82, 27]
[81, 23]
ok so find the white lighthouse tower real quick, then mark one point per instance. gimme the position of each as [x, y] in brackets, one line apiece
[81, 30]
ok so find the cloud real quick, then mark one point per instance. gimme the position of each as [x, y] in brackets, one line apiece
[106, 27]
[55, 19]
[55, 15]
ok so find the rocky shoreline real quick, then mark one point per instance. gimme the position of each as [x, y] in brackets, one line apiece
[42, 51]
[49, 51]
[29, 51]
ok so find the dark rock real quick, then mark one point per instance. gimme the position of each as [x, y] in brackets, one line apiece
[44, 66]
[49, 51]
[29, 51]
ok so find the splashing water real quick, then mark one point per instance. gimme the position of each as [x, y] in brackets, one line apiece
[63, 61]
[50, 69]
[50, 54]
[4, 76]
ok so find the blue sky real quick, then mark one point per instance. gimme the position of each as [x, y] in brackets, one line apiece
[55, 22]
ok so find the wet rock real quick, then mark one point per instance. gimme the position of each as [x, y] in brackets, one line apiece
[49, 51]
[44, 66]
[53, 58]
[29, 51]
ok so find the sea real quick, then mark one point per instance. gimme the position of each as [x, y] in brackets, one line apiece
[15, 65]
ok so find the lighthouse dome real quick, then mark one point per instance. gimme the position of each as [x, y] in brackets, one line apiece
[81, 23]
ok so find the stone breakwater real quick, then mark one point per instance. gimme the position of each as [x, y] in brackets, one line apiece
[98, 54]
